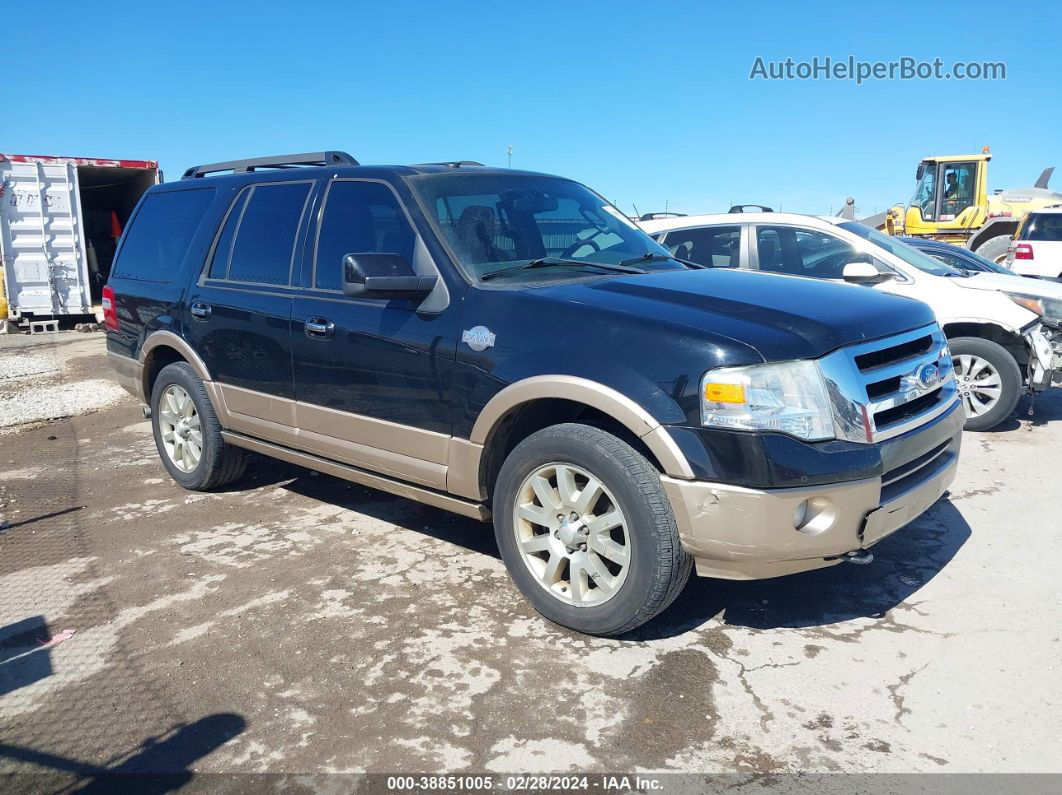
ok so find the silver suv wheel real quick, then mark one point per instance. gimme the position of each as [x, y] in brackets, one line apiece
[182, 436]
[571, 534]
[980, 386]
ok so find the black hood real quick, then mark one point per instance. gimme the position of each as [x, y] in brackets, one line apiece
[782, 317]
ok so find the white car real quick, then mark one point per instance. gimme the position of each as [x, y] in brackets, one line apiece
[1037, 246]
[1005, 334]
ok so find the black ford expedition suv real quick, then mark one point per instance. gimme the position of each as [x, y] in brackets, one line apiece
[507, 345]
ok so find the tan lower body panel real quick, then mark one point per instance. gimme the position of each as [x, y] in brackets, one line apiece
[129, 373]
[427, 496]
[736, 533]
[398, 451]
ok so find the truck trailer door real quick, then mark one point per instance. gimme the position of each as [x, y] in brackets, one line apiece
[41, 240]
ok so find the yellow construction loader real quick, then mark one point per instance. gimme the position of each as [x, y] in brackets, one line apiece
[951, 203]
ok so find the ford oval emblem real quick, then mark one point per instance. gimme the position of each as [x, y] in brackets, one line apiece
[928, 376]
[478, 338]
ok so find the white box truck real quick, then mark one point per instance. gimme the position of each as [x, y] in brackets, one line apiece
[60, 220]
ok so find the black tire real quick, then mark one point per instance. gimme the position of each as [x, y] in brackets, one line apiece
[220, 463]
[658, 565]
[995, 248]
[1010, 379]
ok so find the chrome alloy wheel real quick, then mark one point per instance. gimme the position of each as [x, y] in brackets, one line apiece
[572, 535]
[979, 383]
[182, 436]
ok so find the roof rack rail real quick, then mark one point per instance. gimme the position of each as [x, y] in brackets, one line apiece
[740, 208]
[654, 216]
[452, 163]
[332, 158]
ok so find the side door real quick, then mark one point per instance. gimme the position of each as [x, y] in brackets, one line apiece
[798, 251]
[715, 246]
[373, 376]
[238, 315]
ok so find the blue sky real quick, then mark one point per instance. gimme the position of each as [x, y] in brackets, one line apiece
[646, 102]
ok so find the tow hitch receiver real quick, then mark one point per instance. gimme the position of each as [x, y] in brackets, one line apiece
[860, 557]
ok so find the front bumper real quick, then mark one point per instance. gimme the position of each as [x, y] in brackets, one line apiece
[739, 533]
[1044, 343]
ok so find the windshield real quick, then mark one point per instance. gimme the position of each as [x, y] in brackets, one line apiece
[900, 249]
[925, 195]
[501, 221]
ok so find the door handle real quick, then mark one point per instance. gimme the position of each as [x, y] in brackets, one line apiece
[200, 310]
[319, 327]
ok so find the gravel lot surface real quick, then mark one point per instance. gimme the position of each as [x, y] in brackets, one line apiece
[298, 624]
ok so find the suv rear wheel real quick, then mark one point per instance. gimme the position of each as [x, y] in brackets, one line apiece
[586, 530]
[989, 381]
[188, 434]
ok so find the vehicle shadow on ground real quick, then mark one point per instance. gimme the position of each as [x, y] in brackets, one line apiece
[1046, 407]
[434, 522]
[903, 563]
[24, 655]
[160, 764]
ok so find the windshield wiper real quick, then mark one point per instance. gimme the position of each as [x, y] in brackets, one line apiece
[545, 262]
[655, 255]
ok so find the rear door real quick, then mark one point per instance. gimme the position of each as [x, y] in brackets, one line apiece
[238, 315]
[715, 246]
[372, 376]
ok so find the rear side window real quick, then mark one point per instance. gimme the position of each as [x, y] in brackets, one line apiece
[359, 218]
[158, 238]
[264, 243]
[1042, 226]
[715, 246]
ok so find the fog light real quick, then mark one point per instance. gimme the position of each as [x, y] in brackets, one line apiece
[814, 516]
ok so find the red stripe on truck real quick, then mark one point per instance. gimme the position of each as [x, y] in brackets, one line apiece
[80, 161]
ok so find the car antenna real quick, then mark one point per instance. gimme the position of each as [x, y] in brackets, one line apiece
[636, 213]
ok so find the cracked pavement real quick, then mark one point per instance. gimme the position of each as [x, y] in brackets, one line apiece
[296, 623]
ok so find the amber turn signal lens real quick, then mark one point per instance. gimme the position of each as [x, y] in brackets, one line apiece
[724, 393]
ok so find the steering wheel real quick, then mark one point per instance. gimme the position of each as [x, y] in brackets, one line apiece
[578, 244]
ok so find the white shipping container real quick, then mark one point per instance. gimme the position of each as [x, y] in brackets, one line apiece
[60, 219]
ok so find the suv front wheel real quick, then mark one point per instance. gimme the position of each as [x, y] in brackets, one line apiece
[188, 434]
[586, 530]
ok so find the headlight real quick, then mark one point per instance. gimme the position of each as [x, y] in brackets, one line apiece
[789, 397]
[1044, 307]
[1034, 305]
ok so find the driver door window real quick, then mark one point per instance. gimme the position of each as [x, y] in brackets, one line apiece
[803, 252]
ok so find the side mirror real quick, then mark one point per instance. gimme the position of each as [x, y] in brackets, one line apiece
[383, 276]
[864, 273]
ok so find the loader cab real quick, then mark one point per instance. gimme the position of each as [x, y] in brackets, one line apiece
[950, 194]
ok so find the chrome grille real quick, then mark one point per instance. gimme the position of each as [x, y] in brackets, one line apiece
[887, 387]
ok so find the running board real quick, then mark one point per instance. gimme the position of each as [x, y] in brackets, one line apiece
[437, 499]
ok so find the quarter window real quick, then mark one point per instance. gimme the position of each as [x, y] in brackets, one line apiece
[359, 218]
[219, 262]
[160, 234]
[716, 246]
[265, 240]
